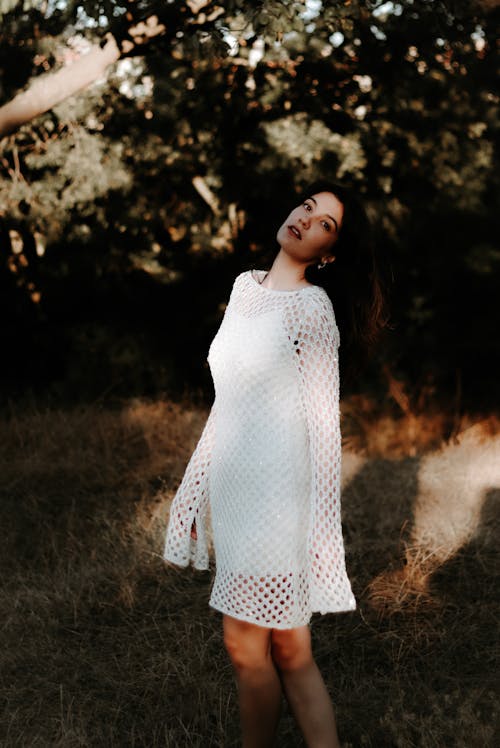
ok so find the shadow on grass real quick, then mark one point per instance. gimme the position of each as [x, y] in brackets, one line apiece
[104, 645]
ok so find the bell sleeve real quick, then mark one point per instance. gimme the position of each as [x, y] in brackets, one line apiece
[190, 504]
[316, 342]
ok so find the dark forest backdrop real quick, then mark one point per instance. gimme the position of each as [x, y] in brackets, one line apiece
[128, 205]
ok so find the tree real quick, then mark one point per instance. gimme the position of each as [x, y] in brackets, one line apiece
[167, 167]
[136, 26]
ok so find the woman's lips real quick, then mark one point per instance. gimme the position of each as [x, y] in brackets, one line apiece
[293, 230]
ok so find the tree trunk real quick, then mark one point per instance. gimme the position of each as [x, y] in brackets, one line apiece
[48, 90]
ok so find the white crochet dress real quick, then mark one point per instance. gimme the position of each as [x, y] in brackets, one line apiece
[268, 461]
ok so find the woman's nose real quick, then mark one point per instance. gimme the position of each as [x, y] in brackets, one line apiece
[305, 221]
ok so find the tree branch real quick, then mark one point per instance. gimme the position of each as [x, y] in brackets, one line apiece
[50, 89]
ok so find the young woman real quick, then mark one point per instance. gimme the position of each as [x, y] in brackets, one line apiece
[268, 461]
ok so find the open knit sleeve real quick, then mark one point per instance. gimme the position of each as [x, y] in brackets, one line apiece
[316, 343]
[190, 504]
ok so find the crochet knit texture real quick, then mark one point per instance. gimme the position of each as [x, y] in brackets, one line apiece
[268, 461]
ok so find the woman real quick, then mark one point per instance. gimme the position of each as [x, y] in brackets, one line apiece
[268, 461]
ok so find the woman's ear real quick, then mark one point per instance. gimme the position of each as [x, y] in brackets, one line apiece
[328, 258]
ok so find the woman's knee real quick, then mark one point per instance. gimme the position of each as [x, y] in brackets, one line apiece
[247, 645]
[291, 648]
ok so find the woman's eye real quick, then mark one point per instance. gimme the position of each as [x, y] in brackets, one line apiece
[326, 226]
[307, 206]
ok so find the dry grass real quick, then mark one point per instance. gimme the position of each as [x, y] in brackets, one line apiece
[104, 646]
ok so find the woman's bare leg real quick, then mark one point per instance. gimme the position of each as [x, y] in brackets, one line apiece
[304, 687]
[259, 685]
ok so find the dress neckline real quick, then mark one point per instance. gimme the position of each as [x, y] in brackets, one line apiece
[276, 290]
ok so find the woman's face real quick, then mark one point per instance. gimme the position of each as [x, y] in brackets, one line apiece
[311, 230]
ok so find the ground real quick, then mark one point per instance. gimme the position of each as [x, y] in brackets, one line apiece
[103, 645]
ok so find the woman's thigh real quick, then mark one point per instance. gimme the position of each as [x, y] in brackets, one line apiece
[291, 648]
[248, 645]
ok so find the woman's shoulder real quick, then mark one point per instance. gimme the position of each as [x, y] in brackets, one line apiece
[317, 298]
[238, 286]
[319, 311]
[248, 280]
[241, 278]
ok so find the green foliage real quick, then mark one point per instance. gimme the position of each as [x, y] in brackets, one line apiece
[303, 142]
[6, 6]
[168, 167]
[74, 188]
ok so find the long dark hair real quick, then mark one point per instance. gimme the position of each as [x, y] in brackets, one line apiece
[353, 282]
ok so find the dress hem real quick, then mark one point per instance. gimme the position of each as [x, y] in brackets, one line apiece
[247, 619]
[279, 626]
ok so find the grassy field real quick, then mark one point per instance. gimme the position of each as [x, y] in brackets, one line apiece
[102, 645]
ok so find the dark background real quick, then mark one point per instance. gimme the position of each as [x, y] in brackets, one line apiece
[115, 264]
